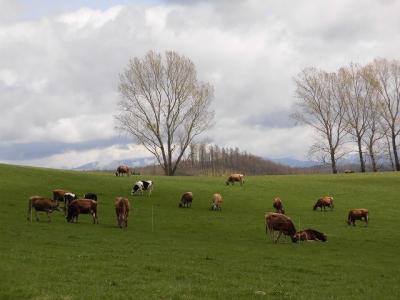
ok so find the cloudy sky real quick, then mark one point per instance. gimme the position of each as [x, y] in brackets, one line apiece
[60, 60]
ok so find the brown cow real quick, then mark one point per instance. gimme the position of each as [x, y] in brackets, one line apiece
[283, 224]
[58, 195]
[82, 206]
[216, 203]
[235, 178]
[277, 204]
[311, 235]
[357, 214]
[121, 170]
[41, 204]
[324, 202]
[186, 200]
[122, 207]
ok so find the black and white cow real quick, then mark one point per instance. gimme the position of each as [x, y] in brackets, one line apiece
[143, 185]
[68, 198]
[92, 196]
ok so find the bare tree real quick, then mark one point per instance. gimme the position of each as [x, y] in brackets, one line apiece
[164, 107]
[388, 75]
[321, 107]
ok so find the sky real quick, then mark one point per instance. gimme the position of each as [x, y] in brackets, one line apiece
[60, 62]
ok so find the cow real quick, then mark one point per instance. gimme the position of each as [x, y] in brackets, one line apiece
[58, 195]
[348, 171]
[282, 223]
[277, 204]
[235, 178]
[186, 200]
[324, 202]
[121, 170]
[357, 214]
[92, 196]
[216, 202]
[82, 206]
[41, 204]
[122, 207]
[311, 235]
[68, 198]
[140, 186]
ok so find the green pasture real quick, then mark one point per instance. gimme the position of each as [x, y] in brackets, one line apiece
[172, 253]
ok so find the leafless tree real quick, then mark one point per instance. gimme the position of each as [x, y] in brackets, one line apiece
[321, 107]
[164, 106]
[388, 75]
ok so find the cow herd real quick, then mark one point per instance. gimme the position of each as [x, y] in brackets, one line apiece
[276, 221]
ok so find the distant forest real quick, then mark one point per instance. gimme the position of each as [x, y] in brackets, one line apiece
[204, 159]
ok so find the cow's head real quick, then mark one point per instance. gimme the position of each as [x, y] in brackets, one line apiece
[294, 238]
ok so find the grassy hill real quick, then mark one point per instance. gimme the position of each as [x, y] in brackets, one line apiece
[196, 253]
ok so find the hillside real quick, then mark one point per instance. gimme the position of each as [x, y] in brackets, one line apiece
[172, 253]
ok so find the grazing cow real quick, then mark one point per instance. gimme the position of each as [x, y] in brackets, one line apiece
[92, 196]
[58, 195]
[121, 170]
[41, 204]
[140, 186]
[235, 178]
[186, 200]
[324, 202]
[357, 214]
[82, 206]
[348, 171]
[277, 204]
[311, 235]
[68, 198]
[216, 203]
[122, 207]
[283, 224]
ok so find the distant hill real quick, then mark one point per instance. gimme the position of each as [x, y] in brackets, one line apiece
[295, 163]
[112, 165]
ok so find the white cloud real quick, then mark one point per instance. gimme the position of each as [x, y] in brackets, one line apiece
[59, 74]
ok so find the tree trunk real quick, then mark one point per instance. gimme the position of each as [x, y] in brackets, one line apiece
[396, 156]
[362, 163]
[333, 162]
[373, 160]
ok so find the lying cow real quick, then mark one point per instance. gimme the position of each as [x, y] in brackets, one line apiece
[324, 202]
[121, 170]
[279, 222]
[140, 186]
[92, 196]
[41, 204]
[235, 178]
[277, 204]
[216, 202]
[186, 200]
[122, 207]
[357, 214]
[311, 235]
[82, 206]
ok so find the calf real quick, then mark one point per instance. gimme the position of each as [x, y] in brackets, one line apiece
[311, 235]
[283, 224]
[186, 200]
[277, 204]
[324, 202]
[41, 204]
[122, 207]
[357, 214]
[68, 198]
[82, 206]
[235, 178]
[216, 203]
[143, 185]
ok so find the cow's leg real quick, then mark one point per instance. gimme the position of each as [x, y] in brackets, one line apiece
[279, 235]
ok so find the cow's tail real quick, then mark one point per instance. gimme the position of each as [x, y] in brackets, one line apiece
[29, 214]
[349, 218]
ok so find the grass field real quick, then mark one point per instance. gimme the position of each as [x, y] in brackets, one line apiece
[196, 253]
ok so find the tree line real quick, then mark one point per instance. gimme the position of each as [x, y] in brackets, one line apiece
[356, 108]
